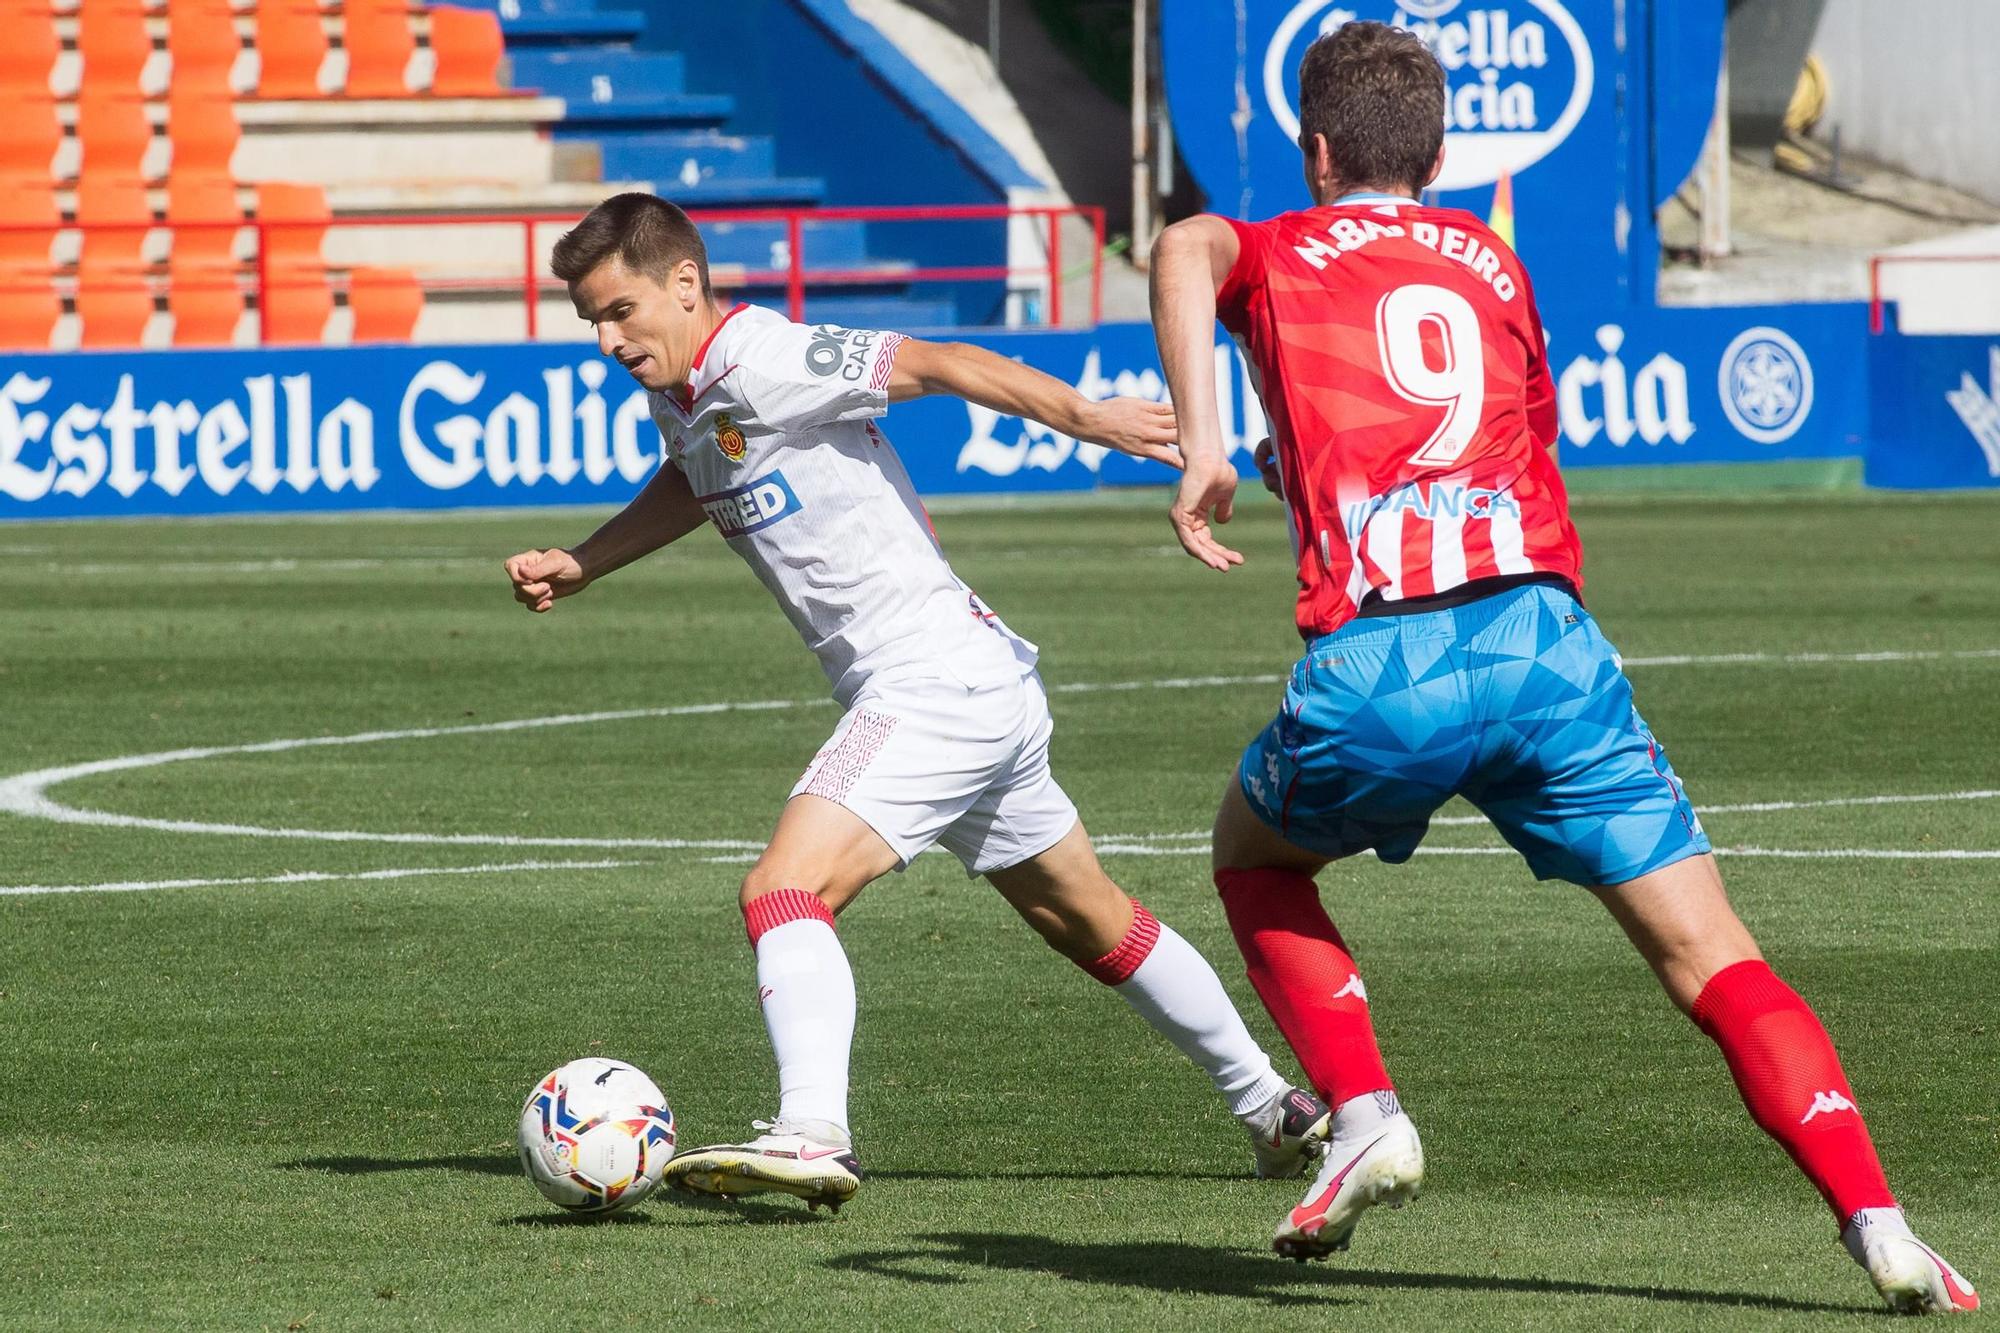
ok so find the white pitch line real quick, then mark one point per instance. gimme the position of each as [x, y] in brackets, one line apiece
[274, 565]
[1114, 848]
[1810, 659]
[26, 794]
[309, 877]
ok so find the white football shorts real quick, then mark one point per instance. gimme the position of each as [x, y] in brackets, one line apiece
[927, 759]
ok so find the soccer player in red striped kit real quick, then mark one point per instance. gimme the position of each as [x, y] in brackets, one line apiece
[1401, 362]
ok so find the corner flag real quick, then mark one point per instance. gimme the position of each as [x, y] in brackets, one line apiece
[1501, 219]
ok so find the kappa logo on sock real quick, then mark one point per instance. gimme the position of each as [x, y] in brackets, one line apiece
[1826, 1103]
[1353, 987]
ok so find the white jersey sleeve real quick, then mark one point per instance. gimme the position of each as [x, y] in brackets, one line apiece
[803, 376]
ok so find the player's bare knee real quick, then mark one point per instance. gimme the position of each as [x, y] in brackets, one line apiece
[763, 879]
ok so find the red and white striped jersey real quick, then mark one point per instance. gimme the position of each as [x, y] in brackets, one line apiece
[1401, 361]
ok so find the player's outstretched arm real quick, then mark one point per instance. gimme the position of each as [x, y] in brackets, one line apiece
[1190, 261]
[1130, 425]
[665, 511]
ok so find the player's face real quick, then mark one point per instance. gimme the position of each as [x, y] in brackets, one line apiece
[648, 327]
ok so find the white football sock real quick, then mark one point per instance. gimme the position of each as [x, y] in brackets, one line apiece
[1177, 992]
[1362, 1115]
[807, 993]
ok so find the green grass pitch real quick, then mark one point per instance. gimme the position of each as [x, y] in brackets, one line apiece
[291, 1104]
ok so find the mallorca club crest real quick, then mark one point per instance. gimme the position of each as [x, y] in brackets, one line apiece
[1518, 75]
[729, 438]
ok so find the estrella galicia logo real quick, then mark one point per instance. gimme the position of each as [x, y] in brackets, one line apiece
[1518, 75]
[753, 506]
[1766, 384]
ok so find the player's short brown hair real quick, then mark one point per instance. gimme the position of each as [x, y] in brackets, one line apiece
[645, 231]
[1377, 94]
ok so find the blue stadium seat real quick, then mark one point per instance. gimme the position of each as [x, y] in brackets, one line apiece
[635, 107]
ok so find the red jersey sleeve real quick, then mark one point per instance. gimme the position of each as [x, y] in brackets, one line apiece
[1245, 281]
[1541, 392]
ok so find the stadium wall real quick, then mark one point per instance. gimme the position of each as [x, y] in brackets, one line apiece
[1913, 86]
[428, 427]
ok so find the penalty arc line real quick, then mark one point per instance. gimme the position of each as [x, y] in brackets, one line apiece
[26, 794]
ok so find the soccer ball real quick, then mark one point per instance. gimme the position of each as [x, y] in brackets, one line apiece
[595, 1136]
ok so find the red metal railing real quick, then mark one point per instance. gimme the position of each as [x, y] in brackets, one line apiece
[795, 276]
[1875, 263]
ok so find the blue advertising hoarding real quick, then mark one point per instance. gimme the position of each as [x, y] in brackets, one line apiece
[1935, 414]
[215, 432]
[1595, 110]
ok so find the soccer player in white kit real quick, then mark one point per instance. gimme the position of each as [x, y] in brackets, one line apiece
[770, 435]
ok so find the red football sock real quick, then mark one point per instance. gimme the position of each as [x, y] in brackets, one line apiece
[1306, 978]
[1785, 1067]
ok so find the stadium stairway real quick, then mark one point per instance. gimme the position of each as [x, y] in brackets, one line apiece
[357, 110]
[628, 116]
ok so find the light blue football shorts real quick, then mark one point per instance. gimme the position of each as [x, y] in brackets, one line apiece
[1515, 701]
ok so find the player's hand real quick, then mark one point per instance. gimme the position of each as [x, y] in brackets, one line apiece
[539, 577]
[1135, 426]
[1207, 494]
[1266, 459]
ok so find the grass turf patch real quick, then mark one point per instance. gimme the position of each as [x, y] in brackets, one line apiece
[276, 1104]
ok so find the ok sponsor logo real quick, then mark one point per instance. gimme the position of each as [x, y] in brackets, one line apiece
[752, 507]
[843, 352]
[1518, 75]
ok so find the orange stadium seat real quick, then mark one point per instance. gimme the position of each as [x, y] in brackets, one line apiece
[29, 309]
[379, 46]
[468, 48]
[113, 131]
[201, 123]
[116, 204]
[202, 200]
[299, 301]
[206, 305]
[114, 304]
[303, 211]
[386, 303]
[111, 37]
[29, 134]
[299, 297]
[291, 46]
[28, 53]
[29, 221]
[201, 37]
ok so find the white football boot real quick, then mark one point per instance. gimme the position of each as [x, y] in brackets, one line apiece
[1288, 1132]
[1912, 1277]
[1379, 1160]
[810, 1159]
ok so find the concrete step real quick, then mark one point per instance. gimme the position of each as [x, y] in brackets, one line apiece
[429, 140]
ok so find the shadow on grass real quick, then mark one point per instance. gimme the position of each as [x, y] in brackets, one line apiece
[576, 1220]
[507, 1164]
[663, 1205]
[474, 1163]
[1004, 1175]
[1169, 1266]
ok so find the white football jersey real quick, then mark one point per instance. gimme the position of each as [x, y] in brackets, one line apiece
[776, 436]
